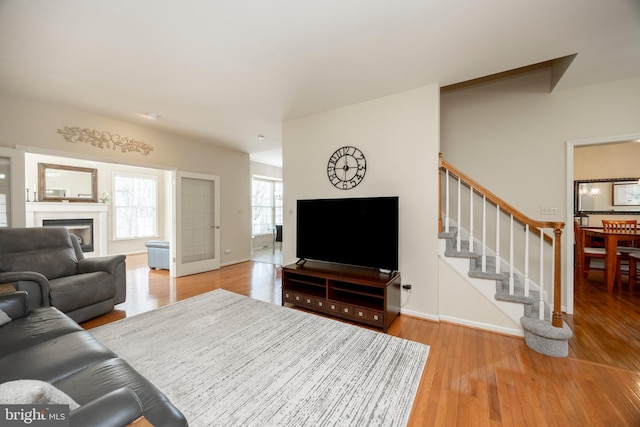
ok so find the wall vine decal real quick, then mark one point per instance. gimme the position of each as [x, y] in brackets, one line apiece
[104, 139]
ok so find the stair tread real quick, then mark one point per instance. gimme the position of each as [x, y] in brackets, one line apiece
[540, 334]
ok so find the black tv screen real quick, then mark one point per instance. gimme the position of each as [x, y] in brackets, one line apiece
[356, 231]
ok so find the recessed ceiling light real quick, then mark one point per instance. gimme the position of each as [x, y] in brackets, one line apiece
[260, 137]
[152, 116]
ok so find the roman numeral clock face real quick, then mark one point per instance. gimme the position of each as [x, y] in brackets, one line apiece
[346, 167]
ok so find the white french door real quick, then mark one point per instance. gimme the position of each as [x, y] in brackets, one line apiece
[196, 227]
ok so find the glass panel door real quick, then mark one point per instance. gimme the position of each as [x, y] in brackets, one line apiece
[196, 236]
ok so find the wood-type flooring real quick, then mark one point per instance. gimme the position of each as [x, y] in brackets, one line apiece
[472, 377]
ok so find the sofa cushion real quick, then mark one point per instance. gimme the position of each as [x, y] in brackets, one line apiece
[4, 318]
[48, 251]
[41, 325]
[54, 359]
[81, 290]
[26, 392]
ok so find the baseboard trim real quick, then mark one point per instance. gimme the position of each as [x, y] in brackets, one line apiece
[420, 315]
[237, 261]
[483, 326]
[465, 322]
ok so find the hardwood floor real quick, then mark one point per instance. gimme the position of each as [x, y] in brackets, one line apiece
[472, 377]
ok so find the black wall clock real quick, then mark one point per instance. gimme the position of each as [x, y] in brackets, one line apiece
[346, 167]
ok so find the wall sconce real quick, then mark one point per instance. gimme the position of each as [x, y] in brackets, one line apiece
[582, 219]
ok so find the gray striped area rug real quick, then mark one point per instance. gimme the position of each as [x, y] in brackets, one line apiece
[227, 360]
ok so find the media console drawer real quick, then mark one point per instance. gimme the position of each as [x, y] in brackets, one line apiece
[351, 293]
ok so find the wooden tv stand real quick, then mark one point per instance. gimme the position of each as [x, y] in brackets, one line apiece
[353, 293]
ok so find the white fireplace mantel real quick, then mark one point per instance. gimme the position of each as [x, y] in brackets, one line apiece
[39, 211]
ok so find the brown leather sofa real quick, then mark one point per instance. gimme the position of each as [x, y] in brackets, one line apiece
[49, 265]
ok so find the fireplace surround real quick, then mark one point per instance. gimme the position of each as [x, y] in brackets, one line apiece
[38, 212]
[82, 228]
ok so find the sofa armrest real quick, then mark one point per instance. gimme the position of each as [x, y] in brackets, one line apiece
[15, 304]
[112, 264]
[103, 263]
[40, 281]
[119, 408]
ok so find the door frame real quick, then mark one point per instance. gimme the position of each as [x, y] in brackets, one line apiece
[568, 247]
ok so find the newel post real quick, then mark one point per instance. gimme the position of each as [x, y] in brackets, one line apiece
[556, 320]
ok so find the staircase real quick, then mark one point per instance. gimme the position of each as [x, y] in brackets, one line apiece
[516, 294]
[539, 334]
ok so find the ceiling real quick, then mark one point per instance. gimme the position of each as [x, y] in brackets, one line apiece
[228, 71]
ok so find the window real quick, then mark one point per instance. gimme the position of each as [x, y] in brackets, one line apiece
[5, 190]
[4, 218]
[266, 205]
[135, 206]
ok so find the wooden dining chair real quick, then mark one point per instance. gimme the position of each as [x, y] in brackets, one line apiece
[634, 262]
[622, 226]
[584, 255]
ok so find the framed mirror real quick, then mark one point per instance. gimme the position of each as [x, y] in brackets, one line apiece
[57, 183]
[607, 196]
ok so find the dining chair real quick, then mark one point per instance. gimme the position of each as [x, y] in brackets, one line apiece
[623, 226]
[584, 255]
[277, 237]
[634, 262]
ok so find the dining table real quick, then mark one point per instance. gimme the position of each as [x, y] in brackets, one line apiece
[611, 242]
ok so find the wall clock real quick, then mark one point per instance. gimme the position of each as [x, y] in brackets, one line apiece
[346, 167]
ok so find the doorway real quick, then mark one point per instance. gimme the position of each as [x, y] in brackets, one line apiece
[266, 219]
[572, 145]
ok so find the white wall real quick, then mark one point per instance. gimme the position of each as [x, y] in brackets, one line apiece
[461, 303]
[399, 136]
[269, 171]
[34, 123]
[511, 135]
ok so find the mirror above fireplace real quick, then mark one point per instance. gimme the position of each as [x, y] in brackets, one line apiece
[58, 183]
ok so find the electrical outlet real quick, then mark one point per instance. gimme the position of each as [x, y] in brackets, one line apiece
[227, 251]
[548, 210]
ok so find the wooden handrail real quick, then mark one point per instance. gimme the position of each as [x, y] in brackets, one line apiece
[504, 206]
[534, 226]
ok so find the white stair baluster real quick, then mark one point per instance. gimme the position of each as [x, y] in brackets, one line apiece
[484, 234]
[541, 309]
[471, 219]
[497, 239]
[511, 279]
[446, 203]
[526, 260]
[459, 221]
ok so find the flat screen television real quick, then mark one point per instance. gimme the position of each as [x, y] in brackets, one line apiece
[355, 231]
